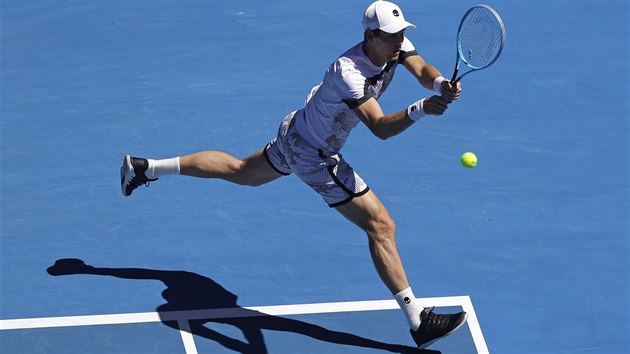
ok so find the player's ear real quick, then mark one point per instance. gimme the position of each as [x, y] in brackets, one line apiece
[368, 35]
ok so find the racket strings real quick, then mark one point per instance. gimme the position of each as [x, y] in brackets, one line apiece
[480, 38]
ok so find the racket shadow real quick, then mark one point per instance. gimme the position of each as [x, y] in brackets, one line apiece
[187, 291]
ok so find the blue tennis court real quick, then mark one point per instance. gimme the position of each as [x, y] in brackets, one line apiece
[534, 241]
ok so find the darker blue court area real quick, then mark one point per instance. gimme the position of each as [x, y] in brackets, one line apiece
[537, 234]
[324, 333]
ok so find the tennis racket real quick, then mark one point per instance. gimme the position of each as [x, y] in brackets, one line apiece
[480, 39]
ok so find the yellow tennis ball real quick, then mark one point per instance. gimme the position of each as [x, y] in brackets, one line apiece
[469, 160]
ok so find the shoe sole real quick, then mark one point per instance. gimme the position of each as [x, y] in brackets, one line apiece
[124, 169]
[425, 345]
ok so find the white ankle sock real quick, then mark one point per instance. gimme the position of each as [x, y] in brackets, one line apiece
[410, 307]
[159, 168]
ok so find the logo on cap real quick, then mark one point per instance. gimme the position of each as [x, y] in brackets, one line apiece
[396, 13]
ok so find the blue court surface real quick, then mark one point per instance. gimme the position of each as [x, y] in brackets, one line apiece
[533, 242]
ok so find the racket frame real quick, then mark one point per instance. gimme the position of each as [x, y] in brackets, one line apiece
[460, 55]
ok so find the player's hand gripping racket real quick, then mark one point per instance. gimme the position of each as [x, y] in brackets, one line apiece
[480, 39]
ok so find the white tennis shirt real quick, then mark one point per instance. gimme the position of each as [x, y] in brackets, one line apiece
[328, 117]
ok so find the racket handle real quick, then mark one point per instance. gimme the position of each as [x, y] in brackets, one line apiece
[456, 70]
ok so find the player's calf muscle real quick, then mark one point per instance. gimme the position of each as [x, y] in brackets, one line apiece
[250, 171]
[210, 164]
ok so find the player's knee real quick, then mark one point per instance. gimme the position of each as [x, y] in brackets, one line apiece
[382, 229]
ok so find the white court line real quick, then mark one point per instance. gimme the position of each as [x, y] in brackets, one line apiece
[182, 317]
[475, 328]
[187, 337]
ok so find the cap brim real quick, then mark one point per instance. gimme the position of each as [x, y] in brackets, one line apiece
[397, 27]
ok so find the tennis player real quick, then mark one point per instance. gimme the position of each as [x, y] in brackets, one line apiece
[309, 141]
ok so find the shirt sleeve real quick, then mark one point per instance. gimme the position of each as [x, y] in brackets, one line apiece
[352, 86]
[407, 50]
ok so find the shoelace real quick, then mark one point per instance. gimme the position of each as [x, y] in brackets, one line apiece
[148, 182]
[436, 319]
[136, 181]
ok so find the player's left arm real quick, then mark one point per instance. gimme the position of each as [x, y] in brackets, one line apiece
[385, 126]
[426, 74]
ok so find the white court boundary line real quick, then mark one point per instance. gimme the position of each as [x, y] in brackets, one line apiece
[183, 317]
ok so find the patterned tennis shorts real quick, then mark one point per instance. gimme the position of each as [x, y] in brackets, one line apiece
[329, 176]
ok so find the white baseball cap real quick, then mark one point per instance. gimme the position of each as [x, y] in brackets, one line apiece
[386, 16]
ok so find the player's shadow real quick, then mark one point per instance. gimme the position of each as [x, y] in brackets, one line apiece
[187, 291]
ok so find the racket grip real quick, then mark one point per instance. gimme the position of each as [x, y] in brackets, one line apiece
[455, 72]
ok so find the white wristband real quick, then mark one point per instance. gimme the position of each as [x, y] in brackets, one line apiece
[415, 111]
[437, 84]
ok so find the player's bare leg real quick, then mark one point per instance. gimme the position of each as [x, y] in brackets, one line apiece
[253, 170]
[370, 214]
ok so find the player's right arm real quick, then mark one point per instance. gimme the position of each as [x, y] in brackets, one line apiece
[426, 74]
